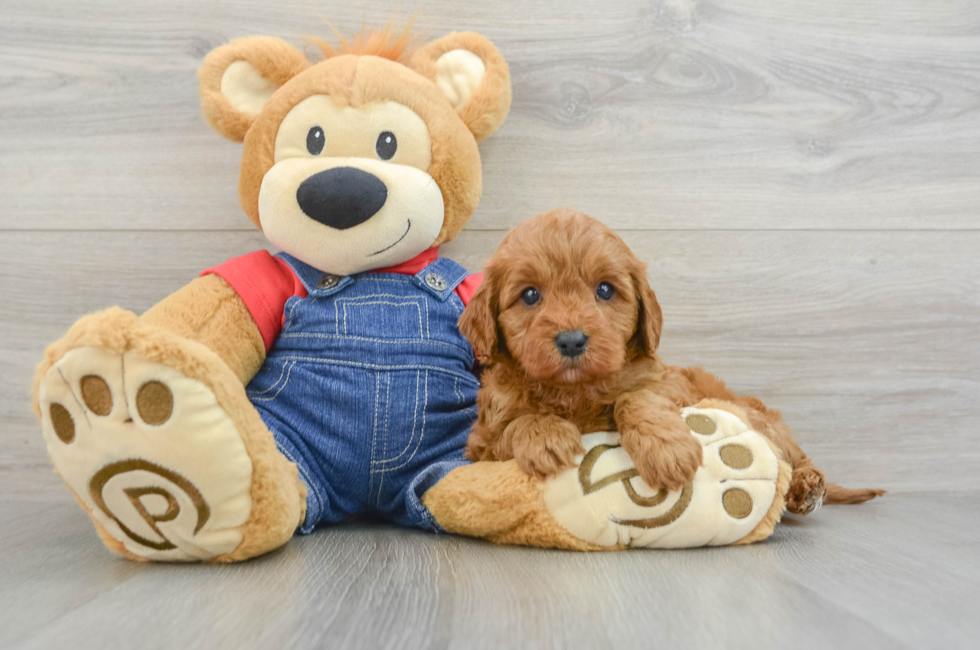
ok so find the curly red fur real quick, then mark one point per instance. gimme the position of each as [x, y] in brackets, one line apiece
[534, 402]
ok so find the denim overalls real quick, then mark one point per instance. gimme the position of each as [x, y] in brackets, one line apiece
[370, 390]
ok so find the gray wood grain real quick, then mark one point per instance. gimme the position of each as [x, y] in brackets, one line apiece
[854, 578]
[671, 114]
[804, 180]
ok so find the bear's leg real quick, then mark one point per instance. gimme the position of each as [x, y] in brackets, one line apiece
[736, 497]
[154, 435]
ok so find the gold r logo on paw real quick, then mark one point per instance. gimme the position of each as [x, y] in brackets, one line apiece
[135, 496]
[731, 493]
[625, 476]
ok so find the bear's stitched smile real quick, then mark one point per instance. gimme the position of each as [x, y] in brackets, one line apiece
[396, 242]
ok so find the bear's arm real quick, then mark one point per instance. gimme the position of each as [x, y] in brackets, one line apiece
[234, 308]
[209, 311]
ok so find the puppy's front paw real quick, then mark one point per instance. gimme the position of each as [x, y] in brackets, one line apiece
[547, 445]
[667, 456]
[806, 491]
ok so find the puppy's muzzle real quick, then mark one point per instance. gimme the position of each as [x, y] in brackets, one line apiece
[342, 197]
[571, 343]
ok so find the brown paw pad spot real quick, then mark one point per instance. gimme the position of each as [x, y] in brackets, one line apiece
[96, 394]
[64, 426]
[154, 402]
[701, 424]
[737, 503]
[736, 456]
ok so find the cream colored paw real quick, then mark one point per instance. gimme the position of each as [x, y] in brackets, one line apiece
[149, 451]
[604, 501]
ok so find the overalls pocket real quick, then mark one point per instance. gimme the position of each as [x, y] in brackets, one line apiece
[401, 418]
[383, 317]
[270, 381]
[429, 414]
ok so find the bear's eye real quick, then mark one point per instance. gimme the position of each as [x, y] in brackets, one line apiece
[530, 296]
[386, 145]
[315, 141]
[605, 291]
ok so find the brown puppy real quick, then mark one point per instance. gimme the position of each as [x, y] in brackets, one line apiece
[567, 328]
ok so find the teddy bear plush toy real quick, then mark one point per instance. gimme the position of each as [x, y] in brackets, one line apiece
[275, 393]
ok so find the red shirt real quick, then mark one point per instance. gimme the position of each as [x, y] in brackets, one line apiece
[265, 283]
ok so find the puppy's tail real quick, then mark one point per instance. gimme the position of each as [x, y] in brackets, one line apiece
[843, 495]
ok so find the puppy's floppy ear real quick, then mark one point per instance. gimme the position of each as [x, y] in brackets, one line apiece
[479, 320]
[237, 79]
[473, 76]
[650, 320]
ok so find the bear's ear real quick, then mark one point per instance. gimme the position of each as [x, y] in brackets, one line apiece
[473, 76]
[237, 79]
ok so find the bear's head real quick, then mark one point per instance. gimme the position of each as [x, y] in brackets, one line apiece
[361, 161]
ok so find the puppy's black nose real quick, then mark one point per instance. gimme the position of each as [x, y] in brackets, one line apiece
[342, 197]
[571, 343]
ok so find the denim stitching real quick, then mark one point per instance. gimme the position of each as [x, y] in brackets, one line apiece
[414, 419]
[384, 450]
[371, 300]
[371, 339]
[412, 436]
[289, 319]
[276, 382]
[380, 279]
[269, 399]
[380, 295]
[419, 302]
[459, 395]
[421, 433]
[384, 447]
[466, 377]
[413, 303]
[374, 426]
[453, 273]
[457, 303]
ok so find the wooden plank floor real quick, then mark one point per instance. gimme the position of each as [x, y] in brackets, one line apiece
[804, 180]
[901, 573]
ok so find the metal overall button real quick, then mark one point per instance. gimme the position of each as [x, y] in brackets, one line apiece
[327, 281]
[436, 281]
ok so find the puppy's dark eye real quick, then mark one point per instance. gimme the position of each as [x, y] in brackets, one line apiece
[315, 141]
[530, 296]
[605, 291]
[386, 145]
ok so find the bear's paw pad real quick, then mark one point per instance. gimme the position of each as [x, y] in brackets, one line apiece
[154, 458]
[604, 500]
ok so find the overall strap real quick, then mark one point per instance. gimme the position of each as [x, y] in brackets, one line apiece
[317, 283]
[440, 278]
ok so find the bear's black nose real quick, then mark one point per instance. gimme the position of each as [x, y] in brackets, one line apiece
[342, 197]
[571, 343]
